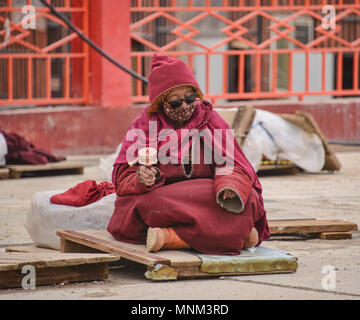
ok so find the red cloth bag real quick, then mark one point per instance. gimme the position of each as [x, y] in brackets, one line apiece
[84, 193]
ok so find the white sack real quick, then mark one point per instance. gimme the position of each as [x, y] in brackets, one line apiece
[3, 149]
[276, 138]
[45, 218]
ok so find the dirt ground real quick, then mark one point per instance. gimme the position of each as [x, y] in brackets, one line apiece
[323, 196]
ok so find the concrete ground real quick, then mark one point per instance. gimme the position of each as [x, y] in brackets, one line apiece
[322, 195]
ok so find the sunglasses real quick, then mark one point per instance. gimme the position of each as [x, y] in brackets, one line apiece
[178, 102]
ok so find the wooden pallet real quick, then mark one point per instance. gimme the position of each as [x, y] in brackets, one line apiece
[53, 267]
[53, 168]
[172, 264]
[323, 229]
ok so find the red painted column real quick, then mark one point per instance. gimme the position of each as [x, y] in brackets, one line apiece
[110, 30]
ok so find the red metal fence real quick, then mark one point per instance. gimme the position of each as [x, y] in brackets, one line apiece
[47, 64]
[253, 49]
[238, 49]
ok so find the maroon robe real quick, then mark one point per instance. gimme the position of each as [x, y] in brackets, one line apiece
[187, 203]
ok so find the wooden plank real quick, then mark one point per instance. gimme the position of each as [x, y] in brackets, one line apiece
[242, 122]
[29, 249]
[335, 235]
[15, 260]
[176, 257]
[73, 247]
[180, 258]
[62, 167]
[54, 275]
[103, 241]
[310, 226]
[172, 264]
[4, 173]
[227, 114]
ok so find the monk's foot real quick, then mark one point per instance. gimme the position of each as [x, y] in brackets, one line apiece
[154, 239]
[252, 239]
[164, 238]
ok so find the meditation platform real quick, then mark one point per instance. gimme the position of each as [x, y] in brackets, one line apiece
[48, 169]
[51, 267]
[175, 264]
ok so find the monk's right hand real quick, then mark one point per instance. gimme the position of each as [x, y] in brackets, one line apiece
[147, 176]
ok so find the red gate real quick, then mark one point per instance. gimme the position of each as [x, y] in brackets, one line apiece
[42, 63]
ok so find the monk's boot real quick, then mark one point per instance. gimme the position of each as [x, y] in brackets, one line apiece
[164, 238]
[252, 239]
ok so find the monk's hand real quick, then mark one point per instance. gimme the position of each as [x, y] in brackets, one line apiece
[229, 194]
[147, 175]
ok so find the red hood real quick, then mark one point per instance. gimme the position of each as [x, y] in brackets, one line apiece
[167, 73]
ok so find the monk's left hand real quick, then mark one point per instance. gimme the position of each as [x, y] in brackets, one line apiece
[229, 194]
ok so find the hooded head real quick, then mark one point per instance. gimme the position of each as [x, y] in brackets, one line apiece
[168, 73]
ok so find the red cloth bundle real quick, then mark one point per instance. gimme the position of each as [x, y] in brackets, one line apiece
[84, 193]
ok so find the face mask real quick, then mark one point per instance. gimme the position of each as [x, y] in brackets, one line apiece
[180, 113]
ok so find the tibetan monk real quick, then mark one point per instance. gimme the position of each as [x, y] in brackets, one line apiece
[202, 193]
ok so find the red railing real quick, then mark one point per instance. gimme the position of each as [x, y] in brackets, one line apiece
[46, 65]
[255, 49]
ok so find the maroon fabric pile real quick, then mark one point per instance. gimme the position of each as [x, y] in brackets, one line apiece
[21, 151]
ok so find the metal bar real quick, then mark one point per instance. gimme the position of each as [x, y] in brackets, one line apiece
[67, 78]
[225, 73]
[307, 71]
[240, 8]
[41, 9]
[258, 73]
[29, 78]
[10, 77]
[241, 73]
[339, 71]
[356, 71]
[266, 95]
[274, 72]
[48, 78]
[207, 73]
[43, 101]
[290, 74]
[138, 70]
[249, 52]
